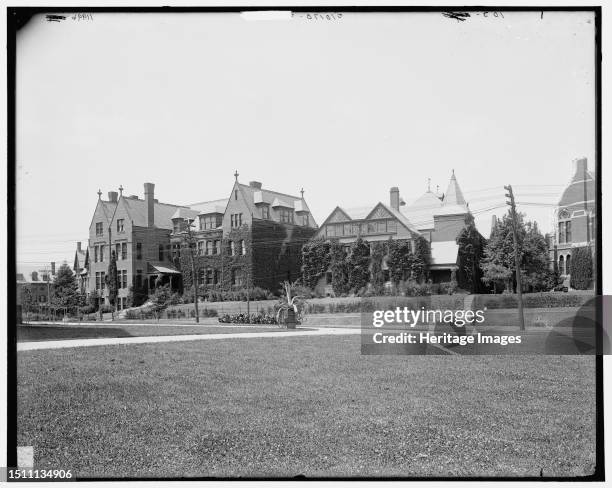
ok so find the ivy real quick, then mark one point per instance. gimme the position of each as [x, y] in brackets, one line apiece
[359, 265]
[581, 268]
[316, 260]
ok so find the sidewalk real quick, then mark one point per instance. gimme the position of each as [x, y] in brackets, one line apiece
[34, 346]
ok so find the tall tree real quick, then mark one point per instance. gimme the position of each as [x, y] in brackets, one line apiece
[339, 269]
[65, 289]
[471, 251]
[376, 266]
[421, 260]
[316, 260]
[112, 281]
[581, 268]
[359, 265]
[399, 260]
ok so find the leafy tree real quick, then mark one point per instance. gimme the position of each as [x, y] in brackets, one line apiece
[421, 260]
[359, 265]
[498, 263]
[339, 269]
[316, 260]
[376, 266]
[535, 267]
[65, 289]
[581, 268]
[27, 299]
[399, 260]
[471, 251]
[112, 280]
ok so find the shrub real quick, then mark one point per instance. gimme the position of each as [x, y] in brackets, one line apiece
[242, 318]
[87, 309]
[106, 308]
[532, 300]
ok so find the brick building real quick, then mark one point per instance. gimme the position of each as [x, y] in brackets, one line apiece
[574, 219]
[437, 217]
[253, 238]
[39, 285]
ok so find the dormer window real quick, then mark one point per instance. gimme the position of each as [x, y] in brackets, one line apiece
[286, 215]
[265, 212]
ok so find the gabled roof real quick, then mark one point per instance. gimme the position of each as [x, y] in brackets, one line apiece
[362, 213]
[108, 209]
[137, 210]
[79, 257]
[185, 213]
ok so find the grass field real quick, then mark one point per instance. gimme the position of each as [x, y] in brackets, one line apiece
[308, 406]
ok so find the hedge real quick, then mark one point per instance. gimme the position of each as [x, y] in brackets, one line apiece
[532, 300]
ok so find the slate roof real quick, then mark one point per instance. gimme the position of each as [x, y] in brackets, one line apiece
[213, 206]
[360, 213]
[163, 212]
[422, 210]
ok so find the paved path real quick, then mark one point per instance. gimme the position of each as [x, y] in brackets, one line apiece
[33, 346]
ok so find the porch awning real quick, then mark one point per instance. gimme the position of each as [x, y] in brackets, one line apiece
[159, 269]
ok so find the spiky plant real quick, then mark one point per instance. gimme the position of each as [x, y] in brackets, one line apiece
[291, 308]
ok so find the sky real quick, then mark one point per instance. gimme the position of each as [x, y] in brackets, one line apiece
[344, 109]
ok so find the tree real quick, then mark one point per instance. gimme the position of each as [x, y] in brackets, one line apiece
[65, 289]
[537, 273]
[581, 268]
[359, 265]
[421, 260]
[339, 269]
[112, 282]
[498, 263]
[27, 299]
[376, 267]
[399, 260]
[471, 251]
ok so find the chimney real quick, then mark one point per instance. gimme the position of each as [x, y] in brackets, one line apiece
[395, 198]
[255, 184]
[580, 168]
[52, 267]
[79, 246]
[149, 194]
[112, 196]
[34, 276]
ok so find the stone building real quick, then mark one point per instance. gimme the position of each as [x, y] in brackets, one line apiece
[574, 219]
[138, 231]
[253, 238]
[437, 217]
[80, 266]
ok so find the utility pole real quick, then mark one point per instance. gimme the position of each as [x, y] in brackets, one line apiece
[188, 225]
[517, 257]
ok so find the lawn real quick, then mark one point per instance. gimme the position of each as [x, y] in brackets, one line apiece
[36, 333]
[309, 406]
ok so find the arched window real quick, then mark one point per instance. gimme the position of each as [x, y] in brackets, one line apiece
[568, 270]
[561, 265]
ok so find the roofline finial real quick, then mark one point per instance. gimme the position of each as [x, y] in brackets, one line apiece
[302, 192]
[99, 194]
[428, 184]
[236, 175]
[120, 190]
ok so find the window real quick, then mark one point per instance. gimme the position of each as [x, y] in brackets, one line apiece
[201, 248]
[242, 248]
[209, 277]
[139, 278]
[568, 232]
[330, 231]
[568, 269]
[122, 278]
[124, 250]
[208, 222]
[232, 248]
[391, 226]
[209, 248]
[236, 220]
[120, 225]
[102, 253]
[99, 229]
[177, 225]
[237, 277]
[176, 250]
[305, 219]
[561, 265]
[201, 275]
[97, 280]
[102, 280]
[216, 276]
[286, 216]
[217, 247]
[235, 194]
[95, 254]
[265, 212]
[117, 251]
[139, 250]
